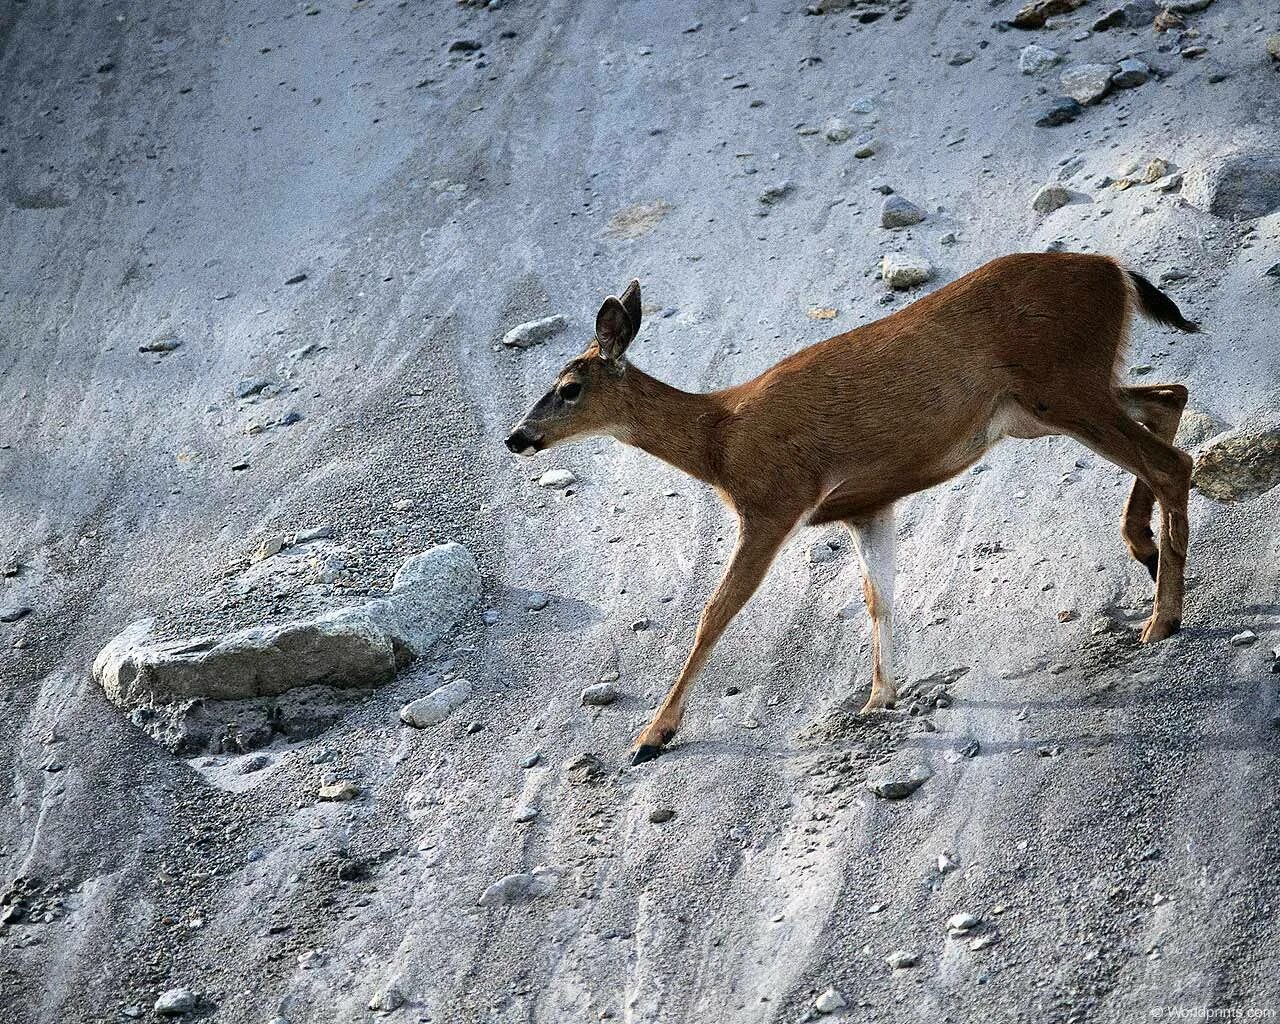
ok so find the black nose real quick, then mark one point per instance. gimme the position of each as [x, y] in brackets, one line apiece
[518, 441]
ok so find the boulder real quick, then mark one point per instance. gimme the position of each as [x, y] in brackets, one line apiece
[347, 648]
[1242, 463]
[1240, 186]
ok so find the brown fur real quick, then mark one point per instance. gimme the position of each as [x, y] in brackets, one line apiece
[1026, 345]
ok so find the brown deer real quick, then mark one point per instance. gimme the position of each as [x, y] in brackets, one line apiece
[1025, 346]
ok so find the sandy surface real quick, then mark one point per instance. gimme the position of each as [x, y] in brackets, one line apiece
[167, 167]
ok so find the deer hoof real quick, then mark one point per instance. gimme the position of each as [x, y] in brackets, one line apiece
[876, 703]
[1156, 631]
[645, 752]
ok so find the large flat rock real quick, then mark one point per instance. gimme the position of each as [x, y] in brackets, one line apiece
[360, 646]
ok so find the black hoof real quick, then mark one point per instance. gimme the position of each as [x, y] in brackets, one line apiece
[1152, 562]
[645, 752]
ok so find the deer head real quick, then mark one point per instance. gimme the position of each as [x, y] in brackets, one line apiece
[590, 394]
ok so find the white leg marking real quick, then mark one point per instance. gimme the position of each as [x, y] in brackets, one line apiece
[876, 544]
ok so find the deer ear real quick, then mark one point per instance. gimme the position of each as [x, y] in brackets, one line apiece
[614, 329]
[631, 303]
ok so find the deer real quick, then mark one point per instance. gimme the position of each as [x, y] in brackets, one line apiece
[1026, 346]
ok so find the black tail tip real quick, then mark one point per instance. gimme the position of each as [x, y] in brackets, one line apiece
[1156, 305]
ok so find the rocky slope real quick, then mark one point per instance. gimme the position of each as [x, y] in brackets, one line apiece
[260, 264]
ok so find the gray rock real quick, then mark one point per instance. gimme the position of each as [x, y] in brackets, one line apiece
[900, 959]
[896, 212]
[899, 271]
[341, 791]
[360, 646]
[836, 131]
[959, 924]
[12, 613]
[600, 695]
[1131, 74]
[1035, 59]
[774, 194]
[1239, 186]
[536, 601]
[1196, 427]
[960, 58]
[1049, 198]
[896, 784]
[830, 1001]
[1242, 463]
[1059, 111]
[821, 553]
[1244, 638]
[557, 479]
[661, 814]
[1134, 14]
[386, 1000]
[176, 1002]
[525, 814]
[1087, 83]
[314, 533]
[436, 706]
[533, 332]
[520, 887]
[253, 386]
[161, 345]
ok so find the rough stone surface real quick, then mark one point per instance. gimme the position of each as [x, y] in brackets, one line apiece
[1087, 83]
[1130, 73]
[356, 646]
[1050, 197]
[1243, 463]
[600, 694]
[899, 784]
[901, 271]
[1241, 185]
[176, 1002]
[1196, 427]
[1033, 59]
[1058, 111]
[520, 887]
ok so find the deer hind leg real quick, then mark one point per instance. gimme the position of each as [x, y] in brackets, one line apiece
[1159, 408]
[1108, 430]
[873, 537]
[758, 544]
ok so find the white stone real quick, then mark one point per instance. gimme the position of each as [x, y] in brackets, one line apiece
[176, 1002]
[436, 706]
[534, 331]
[1034, 59]
[830, 1001]
[557, 479]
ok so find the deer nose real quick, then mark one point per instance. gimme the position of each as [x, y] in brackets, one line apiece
[522, 442]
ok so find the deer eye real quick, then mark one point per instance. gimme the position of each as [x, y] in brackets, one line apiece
[570, 391]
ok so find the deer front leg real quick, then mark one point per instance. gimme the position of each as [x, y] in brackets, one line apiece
[874, 539]
[758, 543]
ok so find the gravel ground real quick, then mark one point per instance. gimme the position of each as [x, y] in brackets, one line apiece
[167, 169]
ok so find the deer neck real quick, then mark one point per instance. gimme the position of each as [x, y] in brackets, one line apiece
[675, 426]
